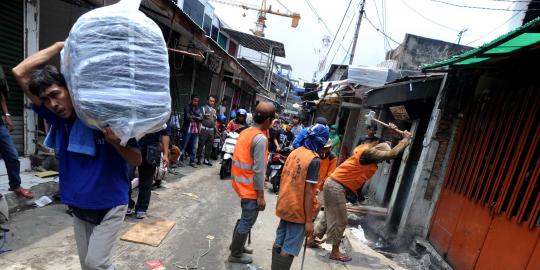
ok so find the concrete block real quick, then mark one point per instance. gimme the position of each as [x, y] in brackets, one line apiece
[39, 186]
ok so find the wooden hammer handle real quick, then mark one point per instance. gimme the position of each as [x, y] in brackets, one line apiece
[388, 126]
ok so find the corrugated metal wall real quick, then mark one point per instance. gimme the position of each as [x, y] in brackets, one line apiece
[11, 53]
[488, 214]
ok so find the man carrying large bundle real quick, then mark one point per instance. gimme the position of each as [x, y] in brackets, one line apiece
[247, 178]
[114, 87]
[351, 175]
[93, 177]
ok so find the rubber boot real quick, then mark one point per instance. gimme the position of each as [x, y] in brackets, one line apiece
[246, 250]
[275, 252]
[280, 262]
[237, 249]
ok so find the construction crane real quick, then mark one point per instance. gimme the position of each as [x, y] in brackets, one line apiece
[262, 11]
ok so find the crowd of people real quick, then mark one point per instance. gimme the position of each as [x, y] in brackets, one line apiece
[312, 180]
[94, 181]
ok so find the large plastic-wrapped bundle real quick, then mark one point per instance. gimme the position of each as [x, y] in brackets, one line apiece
[117, 70]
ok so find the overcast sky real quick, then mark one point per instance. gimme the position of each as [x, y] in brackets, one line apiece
[420, 17]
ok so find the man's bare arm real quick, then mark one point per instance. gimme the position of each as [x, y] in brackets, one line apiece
[23, 70]
[374, 155]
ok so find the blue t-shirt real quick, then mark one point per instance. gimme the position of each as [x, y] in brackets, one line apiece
[90, 182]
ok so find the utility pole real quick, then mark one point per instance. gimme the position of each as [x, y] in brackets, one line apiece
[356, 31]
[461, 34]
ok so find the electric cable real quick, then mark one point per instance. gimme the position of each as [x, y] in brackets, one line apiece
[516, 1]
[288, 10]
[483, 8]
[493, 30]
[323, 22]
[380, 23]
[349, 49]
[336, 36]
[379, 30]
[428, 19]
[348, 26]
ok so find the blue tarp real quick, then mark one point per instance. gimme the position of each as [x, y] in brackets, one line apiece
[299, 89]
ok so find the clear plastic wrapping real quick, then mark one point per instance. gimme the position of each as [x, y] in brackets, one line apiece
[116, 67]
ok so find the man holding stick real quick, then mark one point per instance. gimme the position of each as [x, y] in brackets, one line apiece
[351, 175]
[295, 205]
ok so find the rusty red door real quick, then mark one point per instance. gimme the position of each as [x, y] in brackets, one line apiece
[487, 215]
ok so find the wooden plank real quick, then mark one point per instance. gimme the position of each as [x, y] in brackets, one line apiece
[149, 232]
[401, 171]
[46, 174]
[368, 210]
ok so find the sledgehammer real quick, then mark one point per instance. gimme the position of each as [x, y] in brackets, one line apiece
[370, 117]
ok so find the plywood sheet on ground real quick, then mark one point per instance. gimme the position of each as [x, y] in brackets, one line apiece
[149, 232]
[46, 174]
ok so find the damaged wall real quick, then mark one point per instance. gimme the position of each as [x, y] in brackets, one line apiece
[416, 51]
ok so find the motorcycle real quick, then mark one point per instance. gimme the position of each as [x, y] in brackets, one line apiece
[275, 167]
[228, 150]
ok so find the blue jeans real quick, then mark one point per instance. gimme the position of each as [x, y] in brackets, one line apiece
[11, 159]
[250, 211]
[190, 140]
[290, 237]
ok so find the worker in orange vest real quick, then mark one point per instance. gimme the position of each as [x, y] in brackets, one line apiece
[328, 165]
[247, 178]
[295, 204]
[351, 175]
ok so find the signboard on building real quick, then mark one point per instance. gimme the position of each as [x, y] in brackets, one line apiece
[400, 113]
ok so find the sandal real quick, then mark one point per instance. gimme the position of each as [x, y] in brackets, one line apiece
[23, 192]
[341, 258]
[314, 244]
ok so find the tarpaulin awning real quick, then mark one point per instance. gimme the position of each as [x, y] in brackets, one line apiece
[364, 75]
[256, 43]
[521, 38]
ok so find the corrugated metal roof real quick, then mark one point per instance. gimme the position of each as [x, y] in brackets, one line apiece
[256, 43]
[522, 37]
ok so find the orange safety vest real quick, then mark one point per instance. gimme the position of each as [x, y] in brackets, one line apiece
[290, 203]
[328, 165]
[351, 173]
[242, 173]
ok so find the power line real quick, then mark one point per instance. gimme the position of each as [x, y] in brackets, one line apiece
[379, 30]
[384, 21]
[288, 10]
[516, 1]
[483, 8]
[428, 19]
[494, 29]
[322, 21]
[348, 27]
[380, 23]
[348, 50]
[347, 54]
[336, 36]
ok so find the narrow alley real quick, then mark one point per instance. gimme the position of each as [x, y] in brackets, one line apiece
[199, 203]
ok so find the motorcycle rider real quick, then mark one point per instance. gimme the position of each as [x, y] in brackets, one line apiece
[238, 122]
